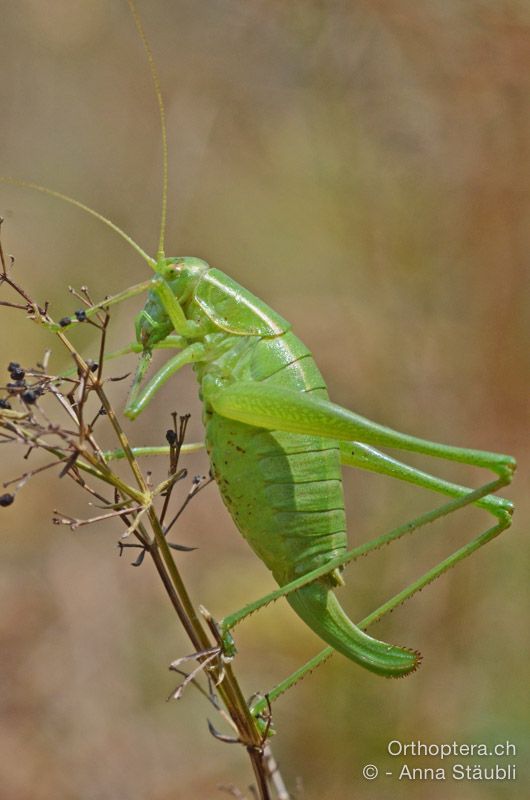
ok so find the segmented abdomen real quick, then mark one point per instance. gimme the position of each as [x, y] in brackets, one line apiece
[283, 490]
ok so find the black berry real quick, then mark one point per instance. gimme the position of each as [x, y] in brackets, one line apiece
[171, 437]
[17, 373]
[29, 396]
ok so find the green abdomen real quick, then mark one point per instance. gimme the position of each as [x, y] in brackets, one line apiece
[283, 490]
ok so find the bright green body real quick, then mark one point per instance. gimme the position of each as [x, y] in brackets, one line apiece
[283, 489]
[276, 444]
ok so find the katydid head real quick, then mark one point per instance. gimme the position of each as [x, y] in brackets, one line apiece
[172, 288]
[180, 275]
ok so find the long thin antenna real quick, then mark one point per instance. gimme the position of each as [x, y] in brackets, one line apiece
[163, 126]
[79, 204]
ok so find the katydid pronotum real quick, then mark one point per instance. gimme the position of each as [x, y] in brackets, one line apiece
[277, 444]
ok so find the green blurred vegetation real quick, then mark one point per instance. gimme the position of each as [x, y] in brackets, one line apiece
[365, 168]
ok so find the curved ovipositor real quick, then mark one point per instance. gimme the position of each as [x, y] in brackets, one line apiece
[319, 608]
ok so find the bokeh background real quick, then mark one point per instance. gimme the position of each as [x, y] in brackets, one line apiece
[365, 168]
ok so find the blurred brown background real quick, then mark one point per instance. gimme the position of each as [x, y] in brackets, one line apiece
[364, 167]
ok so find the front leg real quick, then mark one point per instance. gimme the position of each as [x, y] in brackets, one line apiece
[139, 400]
